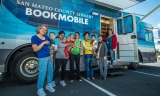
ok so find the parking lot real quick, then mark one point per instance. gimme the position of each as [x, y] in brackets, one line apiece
[143, 82]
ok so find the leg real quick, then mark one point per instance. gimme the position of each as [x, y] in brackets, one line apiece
[49, 71]
[101, 67]
[112, 56]
[57, 67]
[63, 73]
[87, 65]
[105, 68]
[71, 60]
[91, 69]
[42, 72]
[77, 59]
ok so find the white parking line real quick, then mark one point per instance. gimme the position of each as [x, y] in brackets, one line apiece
[145, 73]
[98, 87]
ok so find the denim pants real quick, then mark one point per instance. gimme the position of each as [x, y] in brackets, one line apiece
[112, 56]
[103, 67]
[89, 71]
[45, 67]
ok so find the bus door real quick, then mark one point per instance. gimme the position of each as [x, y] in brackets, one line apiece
[127, 49]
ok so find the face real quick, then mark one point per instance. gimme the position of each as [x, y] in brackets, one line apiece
[68, 38]
[93, 38]
[99, 38]
[110, 31]
[61, 36]
[52, 35]
[77, 36]
[72, 36]
[86, 36]
[43, 30]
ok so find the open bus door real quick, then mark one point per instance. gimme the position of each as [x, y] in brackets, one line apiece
[127, 49]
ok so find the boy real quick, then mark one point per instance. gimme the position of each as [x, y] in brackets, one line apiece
[93, 43]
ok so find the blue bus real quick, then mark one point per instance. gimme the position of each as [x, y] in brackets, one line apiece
[20, 18]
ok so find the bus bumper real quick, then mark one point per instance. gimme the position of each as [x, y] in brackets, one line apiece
[2, 68]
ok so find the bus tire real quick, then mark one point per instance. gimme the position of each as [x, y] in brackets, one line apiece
[133, 66]
[24, 68]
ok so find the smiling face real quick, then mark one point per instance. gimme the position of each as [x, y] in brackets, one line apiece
[93, 38]
[100, 38]
[61, 36]
[52, 35]
[43, 30]
[86, 36]
[72, 36]
[77, 36]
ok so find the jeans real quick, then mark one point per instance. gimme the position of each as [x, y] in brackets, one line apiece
[45, 67]
[103, 67]
[89, 71]
[75, 58]
[58, 64]
[112, 56]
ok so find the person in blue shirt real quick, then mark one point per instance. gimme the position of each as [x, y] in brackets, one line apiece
[40, 44]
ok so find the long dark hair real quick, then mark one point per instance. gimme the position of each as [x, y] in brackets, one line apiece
[108, 33]
[78, 34]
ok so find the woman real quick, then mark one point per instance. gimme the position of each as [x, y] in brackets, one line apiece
[88, 56]
[40, 43]
[75, 56]
[60, 60]
[111, 45]
[101, 52]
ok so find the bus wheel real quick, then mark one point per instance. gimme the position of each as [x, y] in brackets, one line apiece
[24, 68]
[133, 66]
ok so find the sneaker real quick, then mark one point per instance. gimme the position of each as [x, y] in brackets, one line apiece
[63, 83]
[104, 78]
[93, 78]
[50, 88]
[111, 66]
[101, 77]
[53, 84]
[41, 92]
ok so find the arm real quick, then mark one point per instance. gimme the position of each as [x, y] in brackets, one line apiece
[114, 45]
[60, 44]
[105, 48]
[37, 48]
[84, 45]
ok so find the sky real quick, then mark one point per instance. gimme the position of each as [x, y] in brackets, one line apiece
[154, 19]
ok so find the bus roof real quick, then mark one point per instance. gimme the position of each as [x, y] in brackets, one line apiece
[116, 4]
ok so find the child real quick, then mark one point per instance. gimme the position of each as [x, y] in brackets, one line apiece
[94, 43]
[71, 37]
[53, 44]
[68, 48]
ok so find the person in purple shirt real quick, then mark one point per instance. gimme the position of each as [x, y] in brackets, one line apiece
[40, 45]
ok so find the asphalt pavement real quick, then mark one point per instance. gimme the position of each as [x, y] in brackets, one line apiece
[142, 82]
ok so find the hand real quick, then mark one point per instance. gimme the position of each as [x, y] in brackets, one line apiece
[46, 42]
[114, 49]
[93, 48]
[105, 57]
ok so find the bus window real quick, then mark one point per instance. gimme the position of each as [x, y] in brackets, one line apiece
[149, 36]
[128, 24]
[119, 27]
